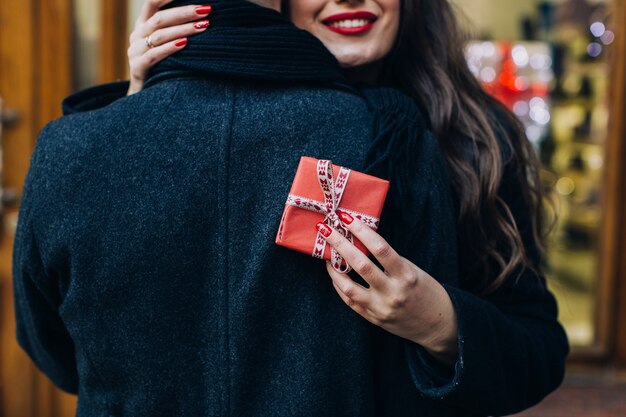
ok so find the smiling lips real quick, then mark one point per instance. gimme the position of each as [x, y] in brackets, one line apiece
[353, 23]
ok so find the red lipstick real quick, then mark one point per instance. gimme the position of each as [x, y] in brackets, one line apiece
[350, 23]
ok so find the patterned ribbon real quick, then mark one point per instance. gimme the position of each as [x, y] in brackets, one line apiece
[333, 192]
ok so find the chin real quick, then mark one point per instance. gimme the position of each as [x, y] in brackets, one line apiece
[352, 59]
[351, 56]
[352, 63]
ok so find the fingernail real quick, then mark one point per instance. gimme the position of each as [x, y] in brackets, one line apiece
[345, 217]
[204, 9]
[202, 24]
[324, 229]
[181, 42]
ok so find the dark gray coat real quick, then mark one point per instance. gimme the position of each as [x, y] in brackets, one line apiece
[146, 274]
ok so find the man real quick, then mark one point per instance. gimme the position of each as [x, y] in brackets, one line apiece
[147, 279]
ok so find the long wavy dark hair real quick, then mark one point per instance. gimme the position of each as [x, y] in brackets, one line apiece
[479, 138]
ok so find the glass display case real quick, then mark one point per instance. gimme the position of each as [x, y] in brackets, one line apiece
[547, 61]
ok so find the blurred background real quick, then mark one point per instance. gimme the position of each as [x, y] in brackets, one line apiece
[559, 65]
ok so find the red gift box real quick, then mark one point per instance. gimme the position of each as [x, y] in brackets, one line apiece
[318, 190]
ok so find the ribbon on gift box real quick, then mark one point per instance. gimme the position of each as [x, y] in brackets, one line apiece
[333, 192]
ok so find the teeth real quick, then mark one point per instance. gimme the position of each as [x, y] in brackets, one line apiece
[350, 23]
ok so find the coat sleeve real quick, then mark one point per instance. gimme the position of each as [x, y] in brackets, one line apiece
[512, 349]
[40, 330]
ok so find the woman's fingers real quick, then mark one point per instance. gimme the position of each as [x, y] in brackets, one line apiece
[149, 8]
[354, 257]
[353, 294]
[173, 17]
[163, 36]
[393, 263]
[166, 35]
[161, 33]
[141, 64]
[358, 308]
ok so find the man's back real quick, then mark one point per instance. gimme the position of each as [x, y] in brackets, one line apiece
[155, 219]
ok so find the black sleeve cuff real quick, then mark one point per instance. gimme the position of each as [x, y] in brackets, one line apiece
[432, 378]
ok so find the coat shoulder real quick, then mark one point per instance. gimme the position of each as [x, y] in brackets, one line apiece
[77, 135]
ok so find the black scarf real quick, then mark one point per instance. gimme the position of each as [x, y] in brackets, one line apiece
[250, 42]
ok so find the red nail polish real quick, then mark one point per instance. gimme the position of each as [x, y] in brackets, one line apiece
[324, 229]
[204, 9]
[202, 24]
[181, 42]
[345, 217]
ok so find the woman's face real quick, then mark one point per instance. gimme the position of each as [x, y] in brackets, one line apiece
[357, 32]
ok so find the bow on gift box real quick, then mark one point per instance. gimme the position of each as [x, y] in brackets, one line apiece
[333, 191]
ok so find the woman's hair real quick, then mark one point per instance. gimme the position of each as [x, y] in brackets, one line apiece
[476, 134]
[266, 3]
[479, 138]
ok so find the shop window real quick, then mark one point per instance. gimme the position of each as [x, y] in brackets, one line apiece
[548, 62]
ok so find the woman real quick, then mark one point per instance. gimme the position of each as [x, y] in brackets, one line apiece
[499, 348]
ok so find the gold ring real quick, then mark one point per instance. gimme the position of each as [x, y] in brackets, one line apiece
[149, 41]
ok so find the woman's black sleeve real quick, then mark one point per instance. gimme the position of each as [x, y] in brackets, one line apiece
[512, 349]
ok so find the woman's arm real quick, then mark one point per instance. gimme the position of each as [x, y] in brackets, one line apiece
[512, 349]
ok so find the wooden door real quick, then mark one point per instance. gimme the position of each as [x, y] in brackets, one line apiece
[38, 51]
[35, 74]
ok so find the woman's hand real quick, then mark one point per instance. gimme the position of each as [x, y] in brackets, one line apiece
[161, 33]
[402, 299]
